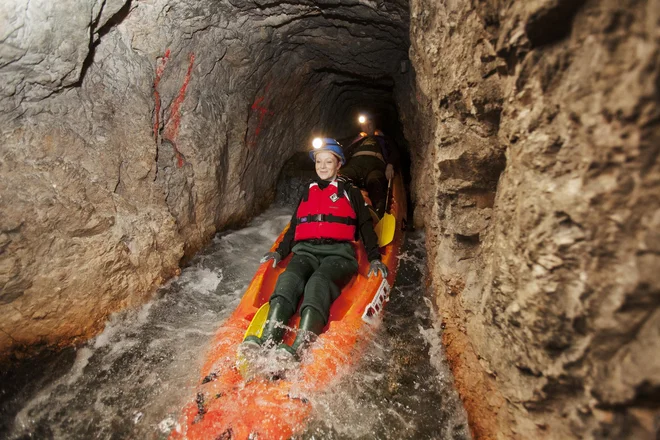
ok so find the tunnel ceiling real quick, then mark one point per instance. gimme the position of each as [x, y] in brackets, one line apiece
[359, 40]
[362, 38]
[350, 51]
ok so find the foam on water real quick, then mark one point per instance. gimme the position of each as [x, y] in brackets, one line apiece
[402, 388]
[202, 280]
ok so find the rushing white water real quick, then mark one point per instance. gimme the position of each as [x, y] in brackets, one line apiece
[403, 389]
[132, 380]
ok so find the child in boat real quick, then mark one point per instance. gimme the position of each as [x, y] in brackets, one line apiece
[330, 214]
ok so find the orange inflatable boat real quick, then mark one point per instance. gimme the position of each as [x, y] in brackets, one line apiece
[226, 406]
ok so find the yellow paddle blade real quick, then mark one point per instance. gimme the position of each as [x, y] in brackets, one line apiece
[385, 229]
[256, 326]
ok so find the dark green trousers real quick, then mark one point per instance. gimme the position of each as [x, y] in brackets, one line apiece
[369, 173]
[317, 272]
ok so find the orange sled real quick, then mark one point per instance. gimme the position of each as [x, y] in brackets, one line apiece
[226, 406]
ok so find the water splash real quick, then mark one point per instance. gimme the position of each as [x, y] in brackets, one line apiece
[403, 388]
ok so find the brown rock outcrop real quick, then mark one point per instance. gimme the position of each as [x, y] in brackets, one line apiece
[536, 175]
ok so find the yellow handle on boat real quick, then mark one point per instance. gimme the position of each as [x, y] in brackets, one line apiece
[387, 225]
[385, 229]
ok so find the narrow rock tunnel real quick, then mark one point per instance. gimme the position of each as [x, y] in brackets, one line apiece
[133, 131]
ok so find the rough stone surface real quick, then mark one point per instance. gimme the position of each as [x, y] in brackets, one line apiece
[535, 131]
[133, 130]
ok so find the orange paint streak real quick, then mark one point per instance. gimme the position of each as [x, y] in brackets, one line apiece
[171, 130]
[172, 127]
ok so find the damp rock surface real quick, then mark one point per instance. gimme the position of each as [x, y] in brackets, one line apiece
[536, 175]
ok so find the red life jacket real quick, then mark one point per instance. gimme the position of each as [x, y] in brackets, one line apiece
[325, 214]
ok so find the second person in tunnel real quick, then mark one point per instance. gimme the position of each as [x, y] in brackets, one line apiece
[371, 159]
[330, 215]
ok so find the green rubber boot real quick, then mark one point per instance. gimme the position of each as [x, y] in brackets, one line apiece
[274, 329]
[311, 325]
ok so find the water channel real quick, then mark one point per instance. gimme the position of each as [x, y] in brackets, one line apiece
[131, 381]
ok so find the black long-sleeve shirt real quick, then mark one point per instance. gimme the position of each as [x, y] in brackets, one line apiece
[373, 143]
[364, 223]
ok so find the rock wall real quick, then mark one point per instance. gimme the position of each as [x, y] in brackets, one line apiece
[132, 130]
[535, 127]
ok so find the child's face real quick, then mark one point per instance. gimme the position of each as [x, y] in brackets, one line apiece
[327, 165]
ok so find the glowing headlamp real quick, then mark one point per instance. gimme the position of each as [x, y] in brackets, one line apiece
[317, 143]
[362, 119]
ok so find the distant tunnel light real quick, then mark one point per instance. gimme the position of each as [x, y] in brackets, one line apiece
[362, 119]
[317, 143]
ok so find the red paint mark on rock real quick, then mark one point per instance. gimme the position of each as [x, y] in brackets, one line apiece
[171, 129]
[255, 105]
[173, 123]
[262, 112]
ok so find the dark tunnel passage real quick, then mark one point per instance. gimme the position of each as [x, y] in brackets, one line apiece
[348, 99]
[135, 133]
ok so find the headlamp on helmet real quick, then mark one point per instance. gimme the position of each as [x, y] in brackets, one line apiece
[327, 144]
